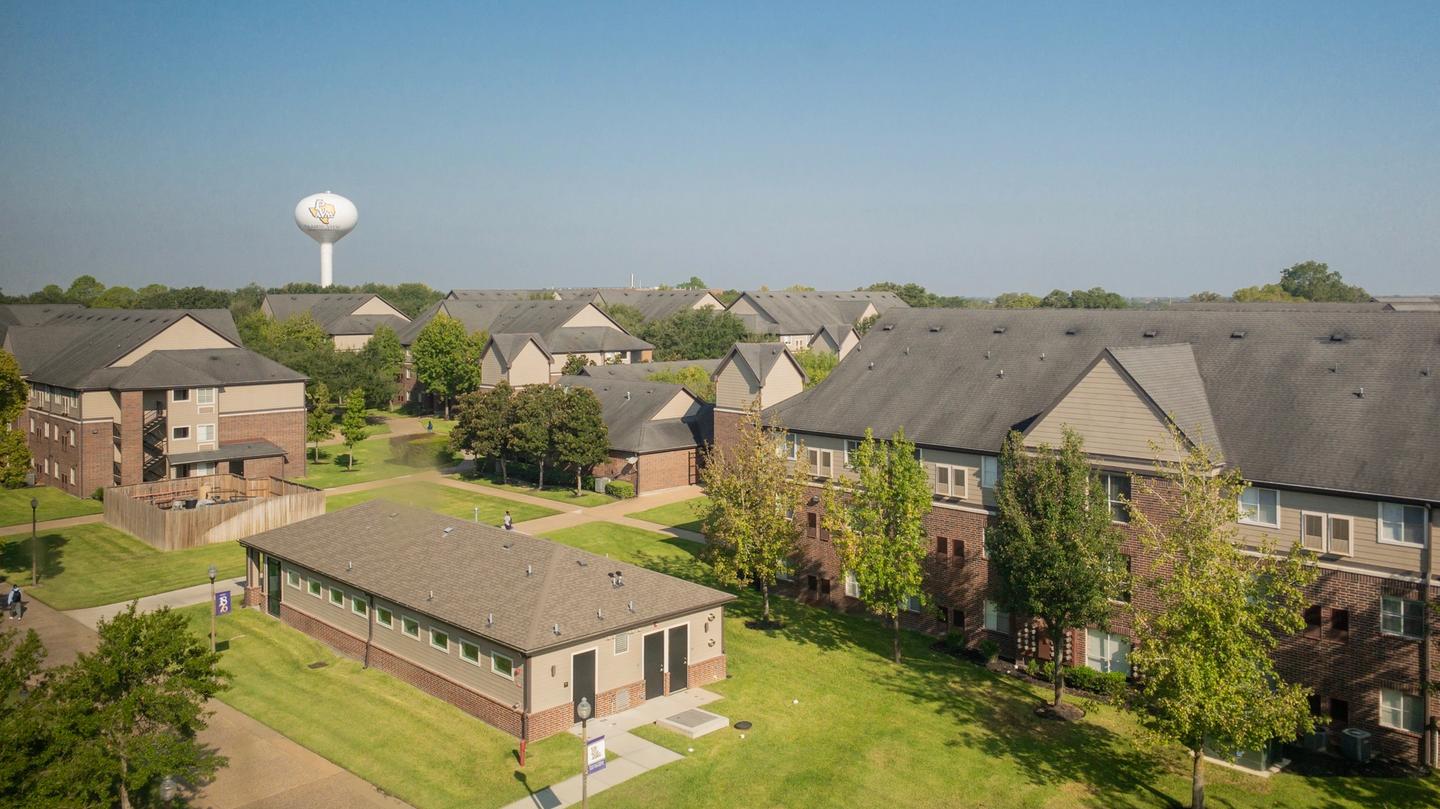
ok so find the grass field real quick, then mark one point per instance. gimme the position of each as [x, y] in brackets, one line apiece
[90, 565]
[410, 744]
[560, 494]
[374, 460]
[54, 504]
[933, 732]
[446, 500]
[683, 514]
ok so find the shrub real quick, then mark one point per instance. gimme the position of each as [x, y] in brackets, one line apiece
[989, 649]
[955, 640]
[1111, 686]
[98, 494]
[620, 489]
[420, 450]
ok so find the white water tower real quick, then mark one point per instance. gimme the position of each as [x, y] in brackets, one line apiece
[326, 218]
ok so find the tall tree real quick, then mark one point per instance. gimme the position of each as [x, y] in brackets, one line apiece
[353, 425]
[629, 318]
[447, 359]
[1017, 300]
[693, 283]
[1264, 293]
[1315, 281]
[24, 747]
[1205, 653]
[84, 289]
[694, 334]
[878, 528]
[582, 440]
[320, 421]
[575, 363]
[749, 516]
[14, 450]
[537, 413]
[694, 377]
[817, 364]
[1052, 544]
[485, 426]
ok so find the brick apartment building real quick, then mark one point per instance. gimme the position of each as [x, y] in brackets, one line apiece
[1330, 414]
[656, 430]
[122, 396]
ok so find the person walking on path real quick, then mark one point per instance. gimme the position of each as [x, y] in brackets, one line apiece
[12, 600]
[509, 523]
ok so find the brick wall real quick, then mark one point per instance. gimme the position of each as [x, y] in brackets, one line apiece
[726, 429]
[703, 673]
[57, 450]
[255, 597]
[664, 470]
[271, 468]
[97, 456]
[550, 722]
[132, 424]
[285, 430]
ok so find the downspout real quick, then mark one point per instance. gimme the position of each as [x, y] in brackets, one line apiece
[369, 629]
[1427, 559]
[525, 710]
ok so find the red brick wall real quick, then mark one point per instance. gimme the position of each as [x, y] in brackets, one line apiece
[616, 469]
[132, 449]
[97, 456]
[550, 721]
[726, 430]
[57, 450]
[271, 468]
[285, 430]
[664, 470]
[703, 673]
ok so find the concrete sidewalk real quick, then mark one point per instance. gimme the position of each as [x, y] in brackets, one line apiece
[198, 594]
[50, 525]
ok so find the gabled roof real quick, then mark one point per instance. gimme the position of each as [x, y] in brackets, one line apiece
[630, 407]
[580, 339]
[364, 324]
[475, 576]
[334, 311]
[30, 314]
[657, 304]
[508, 346]
[1339, 401]
[68, 349]
[760, 358]
[502, 294]
[836, 333]
[194, 368]
[1169, 376]
[1409, 303]
[545, 318]
[642, 370]
[806, 312]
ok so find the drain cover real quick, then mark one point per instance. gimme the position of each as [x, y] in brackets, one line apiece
[742, 725]
[317, 665]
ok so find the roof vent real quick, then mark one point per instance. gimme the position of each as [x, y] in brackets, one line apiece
[508, 545]
[888, 327]
[987, 355]
[349, 565]
[632, 605]
[1337, 336]
[627, 395]
[935, 329]
[448, 529]
[490, 619]
[431, 597]
[555, 629]
[582, 563]
[1359, 393]
[907, 351]
[870, 367]
[1001, 374]
[599, 615]
[1424, 371]
[1042, 356]
[529, 571]
[1238, 334]
[1150, 332]
[999, 329]
[1071, 330]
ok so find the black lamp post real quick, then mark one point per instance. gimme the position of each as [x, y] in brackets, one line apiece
[583, 711]
[34, 543]
[213, 572]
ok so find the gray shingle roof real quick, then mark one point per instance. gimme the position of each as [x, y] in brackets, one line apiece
[334, 312]
[508, 346]
[1410, 303]
[1169, 375]
[71, 347]
[196, 367]
[807, 312]
[30, 314]
[629, 408]
[655, 304]
[642, 370]
[1284, 388]
[545, 318]
[404, 554]
[761, 357]
[228, 452]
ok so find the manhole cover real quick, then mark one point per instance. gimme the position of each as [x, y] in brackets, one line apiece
[693, 718]
[742, 725]
[317, 665]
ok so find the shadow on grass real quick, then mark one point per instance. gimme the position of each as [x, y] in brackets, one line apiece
[15, 557]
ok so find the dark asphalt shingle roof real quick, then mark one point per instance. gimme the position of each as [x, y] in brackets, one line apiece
[404, 555]
[228, 452]
[333, 311]
[761, 357]
[73, 346]
[629, 408]
[655, 304]
[1169, 376]
[642, 370]
[196, 367]
[508, 346]
[545, 318]
[1283, 388]
[30, 314]
[807, 312]
[1410, 303]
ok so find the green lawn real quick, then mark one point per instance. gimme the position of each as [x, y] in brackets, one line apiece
[934, 732]
[406, 742]
[560, 494]
[683, 514]
[446, 500]
[54, 504]
[90, 565]
[374, 460]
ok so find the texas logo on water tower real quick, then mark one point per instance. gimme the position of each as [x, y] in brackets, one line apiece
[322, 210]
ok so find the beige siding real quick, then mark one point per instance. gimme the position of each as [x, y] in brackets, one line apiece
[275, 396]
[848, 344]
[376, 306]
[350, 342]
[266, 309]
[590, 316]
[735, 385]
[742, 306]
[708, 302]
[530, 367]
[784, 382]
[1109, 412]
[968, 463]
[682, 405]
[1365, 528]
[184, 333]
[100, 404]
[490, 370]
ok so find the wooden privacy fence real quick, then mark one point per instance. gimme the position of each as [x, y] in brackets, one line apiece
[157, 513]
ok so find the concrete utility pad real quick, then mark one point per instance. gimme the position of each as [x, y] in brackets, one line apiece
[694, 723]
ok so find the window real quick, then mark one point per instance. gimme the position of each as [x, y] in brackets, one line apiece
[1340, 625]
[1260, 507]
[1340, 533]
[359, 606]
[32, 425]
[812, 524]
[337, 596]
[850, 448]
[622, 643]
[47, 466]
[1401, 711]
[201, 469]
[821, 462]
[440, 640]
[912, 604]
[293, 579]
[812, 583]
[824, 587]
[789, 447]
[204, 396]
[942, 546]
[1312, 531]
[1339, 710]
[786, 572]
[989, 472]
[1312, 621]
[1117, 489]
[1399, 616]
[852, 585]
[469, 652]
[1106, 651]
[46, 429]
[72, 476]
[314, 588]
[1403, 525]
[384, 617]
[950, 481]
[941, 614]
[180, 395]
[179, 433]
[205, 433]
[70, 437]
[502, 665]
[996, 619]
[410, 627]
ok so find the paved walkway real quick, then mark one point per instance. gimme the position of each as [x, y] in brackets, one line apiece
[198, 594]
[50, 525]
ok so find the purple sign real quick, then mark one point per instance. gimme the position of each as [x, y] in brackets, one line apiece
[595, 755]
[222, 602]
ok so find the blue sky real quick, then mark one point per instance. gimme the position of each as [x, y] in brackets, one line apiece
[1154, 151]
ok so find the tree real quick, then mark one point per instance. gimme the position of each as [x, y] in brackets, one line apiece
[486, 426]
[575, 363]
[320, 421]
[1262, 294]
[1315, 281]
[1093, 298]
[24, 748]
[84, 289]
[353, 425]
[817, 364]
[14, 450]
[694, 377]
[877, 526]
[378, 365]
[1206, 297]
[447, 359]
[537, 413]
[127, 715]
[582, 440]
[1016, 300]
[693, 283]
[799, 288]
[116, 298]
[1052, 544]
[1205, 653]
[629, 318]
[918, 296]
[694, 334]
[752, 499]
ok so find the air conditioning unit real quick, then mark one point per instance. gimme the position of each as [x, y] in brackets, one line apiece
[1315, 742]
[601, 483]
[1355, 744]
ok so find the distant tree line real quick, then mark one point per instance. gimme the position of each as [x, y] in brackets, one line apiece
[301, 344]
[1308, 281]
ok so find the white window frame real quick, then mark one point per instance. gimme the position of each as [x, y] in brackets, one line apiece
[314, 588]
[509, 663]
[360, 607]
[292, 579]
[45, 430]
[993, 613]
[70, 437]
[1255, 520]
[989, 471]
[622, 644]
[1404, 604]
[1106, 480]
[388, 621]
[1381, 521]
[72, 476]
[951, 473]
[204, 394]
[1330, 534]
[1324, 530]
[340, 602]
[815, 465]
[406, 632]
[471, 660]
[445, 647]
[1404, 701]
[913, 605]
[789, 447]
[202, 469]
[175, 432]
[201, 430]
[1111, 646]
[852, 585]
[849, 449]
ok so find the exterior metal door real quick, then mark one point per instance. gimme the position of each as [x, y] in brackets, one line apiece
[582, 680]
[654, 665]
[679, 664]
[272, 586]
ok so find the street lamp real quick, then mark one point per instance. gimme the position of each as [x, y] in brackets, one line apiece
[583, 711]
[34, 543]
[168, 788]
[213, 572]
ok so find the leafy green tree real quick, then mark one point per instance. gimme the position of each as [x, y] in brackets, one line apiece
[25, 750]
[862, 326]
[353, 424]
[1265, 293]
[749, 515]
[1017, 300]
[581, 438]
[817, 364]
[1205, 653]
[84, 289]
[538, 411]
[878, 528]
[918, 296]
[14, 450]
[1052, 545]
[1206, 297]
[116, 298]
[447, 359]
[799, 288]
[694, 377]
[694, 334]
[575, 363]
[627, 316]
[729, 296]
[693, 283]
[1093, 298]
[486, 426]
[320, 421]
[1315, 281]
[379, 364]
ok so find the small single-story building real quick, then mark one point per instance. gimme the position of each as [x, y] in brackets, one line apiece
[510, 628]
[656, 429]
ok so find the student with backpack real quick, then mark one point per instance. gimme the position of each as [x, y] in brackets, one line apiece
[13, 601]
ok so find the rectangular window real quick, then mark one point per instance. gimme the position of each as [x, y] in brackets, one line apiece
[46, 429]
[359, 606]
[205, 433]
[502, 665]
[812, 583]
[1312, 621]
[293, 579]
[1401, 524]
[942, 546]
[1340, 625]
[440, 640]
[821, 462]
[951, 481]
[1401, 711]
[72, 476]
[996, 619]
[180, 395]
[789, 447]
[202, 469]
[1117, 489]
[469, 652]
[912, 604]
[314, 588]
[852, 585]
[786, 572]
[337, 596]
[1312, 531]
[812, 524]
[204, 396]
[1260, 507]
[1340, 533]
[622, 643]
[989, 472]
[1339, 710]
[850, 448]
[1106, 651]
[70, 437]
[179, 433]
[941, 614]
[824, 587]
[1402, 617]
[410, 627]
